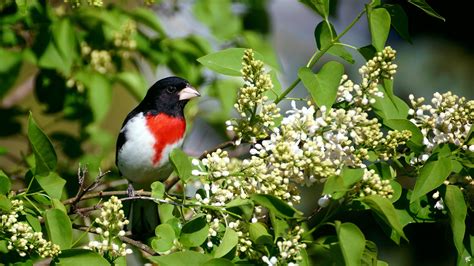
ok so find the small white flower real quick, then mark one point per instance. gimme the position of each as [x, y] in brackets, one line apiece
[324, 201]
[439, 205]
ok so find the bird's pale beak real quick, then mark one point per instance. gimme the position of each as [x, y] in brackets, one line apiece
[188, 93]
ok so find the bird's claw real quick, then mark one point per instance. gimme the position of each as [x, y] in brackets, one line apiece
[130, 190]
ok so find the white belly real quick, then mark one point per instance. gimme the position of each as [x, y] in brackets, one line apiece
[135, 158]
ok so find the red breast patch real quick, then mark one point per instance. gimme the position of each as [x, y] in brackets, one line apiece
[166, 129]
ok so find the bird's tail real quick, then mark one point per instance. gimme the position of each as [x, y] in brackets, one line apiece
[143, 217]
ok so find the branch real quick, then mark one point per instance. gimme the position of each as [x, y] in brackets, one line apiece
[125, 239]
[101, 194]
[223, 145]
[81, 174]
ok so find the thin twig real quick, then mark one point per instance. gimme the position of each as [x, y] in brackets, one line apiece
[101, 194]
[125, 239]
[223, 145]
[81, 192]
[82, 211]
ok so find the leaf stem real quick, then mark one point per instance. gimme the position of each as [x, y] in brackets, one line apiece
[317, 55]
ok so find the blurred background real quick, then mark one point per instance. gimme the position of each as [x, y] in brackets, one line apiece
[80, 68]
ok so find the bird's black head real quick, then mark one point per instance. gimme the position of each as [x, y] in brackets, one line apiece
[169, 95]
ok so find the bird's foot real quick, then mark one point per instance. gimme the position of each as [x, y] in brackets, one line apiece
[130, 190]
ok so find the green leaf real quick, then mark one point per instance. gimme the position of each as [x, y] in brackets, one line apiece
[351, 176]
[80, 257]
[229, 241]
[9, 70]
[320, 6]
[45, 155]
[5, 203]
[181, 164]
[457, 211]
[218, 262]
[384, 209]
[4, 246]
[351, 241]
[65, 41]
[218, 16]
[157, 190]
[368, 52]
[175, 224]
[324, 34]
[147, 17]
[259, 234]
[165, 236]
[379, 23]
[34, 222]
[52, 184]
[166, 212]
[52, 59]
[421, 4]
[335, 187]
[194, 232]
[227, 62]
[399, 20]
[397, 190]
[432, 175]
[390, 106]
[323, 86]
[134, 83]
[5, 184]
[280, 226]
[276, 205]
[99, 95]
[405, 124]
[243, 207]
[189, 258]
[59, 228]
[226, 91]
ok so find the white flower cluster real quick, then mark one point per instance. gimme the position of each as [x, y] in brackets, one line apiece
[110, 228]
[257, 116]
[372, 184]
[363, 94]
[311, 146]
[447, 119]
[100, 60]
[225, 179]
[289, 249]
[389, 144]
[123, 39]
[22, 238]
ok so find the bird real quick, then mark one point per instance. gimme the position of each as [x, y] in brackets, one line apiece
[149, 133]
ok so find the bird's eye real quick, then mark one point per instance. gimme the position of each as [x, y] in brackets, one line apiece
[171, 90]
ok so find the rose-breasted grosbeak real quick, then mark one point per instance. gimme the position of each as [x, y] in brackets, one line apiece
[149, 133]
